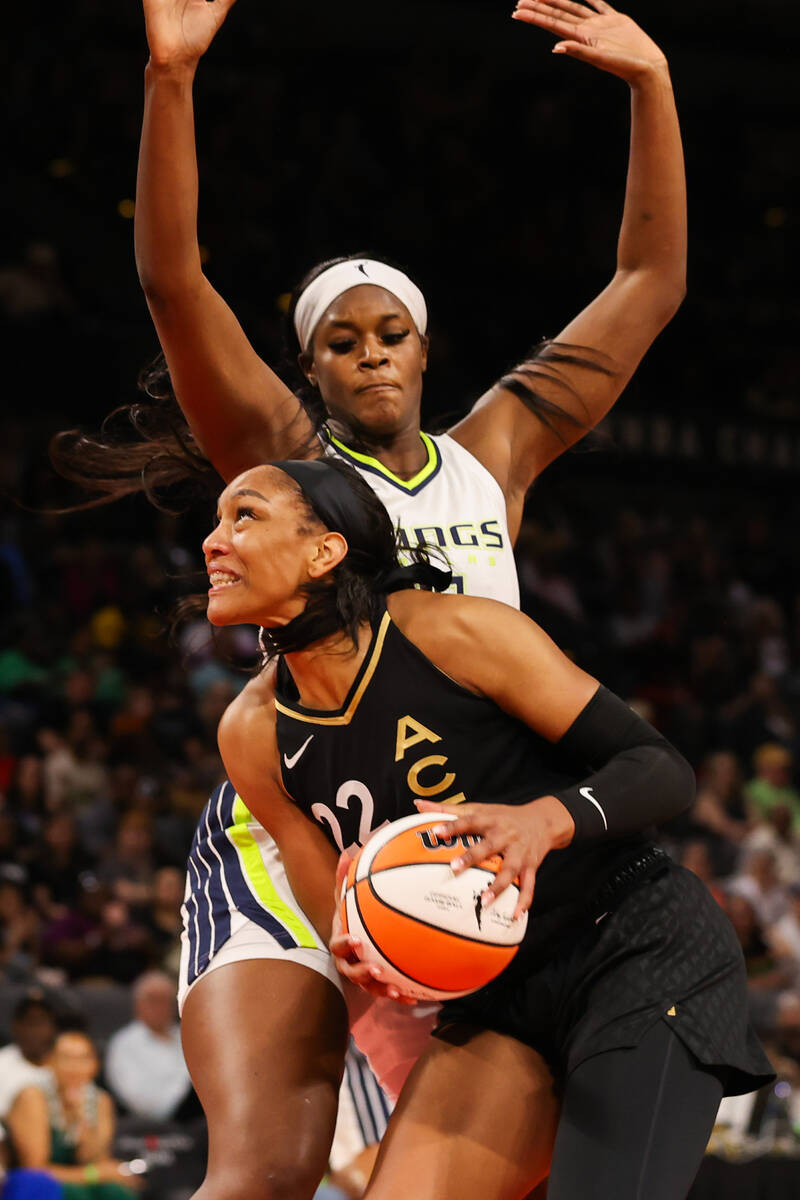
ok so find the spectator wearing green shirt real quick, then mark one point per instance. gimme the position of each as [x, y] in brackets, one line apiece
[771, 785]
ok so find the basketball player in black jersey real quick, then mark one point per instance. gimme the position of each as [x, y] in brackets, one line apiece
[241, 414]
[629, 981]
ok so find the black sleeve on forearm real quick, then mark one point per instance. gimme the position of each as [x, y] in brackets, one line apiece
[639, 778]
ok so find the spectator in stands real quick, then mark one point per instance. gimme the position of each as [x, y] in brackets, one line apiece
[144, 1066]
[775, 833]
[164, 917]
[130, 868]
[96, 937]
[758, 882]
[19, 924]
[696, 856]
[772, 783]
[719, 805]
[58, 864]
[64, 1126]
[23, 1061]
[25, 796]
[784, 935]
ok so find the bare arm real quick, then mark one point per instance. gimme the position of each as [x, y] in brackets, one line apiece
[95, 1143]
[649, 282]
[239, 410]
[632, 779]
[29, 1126]
[249, 750]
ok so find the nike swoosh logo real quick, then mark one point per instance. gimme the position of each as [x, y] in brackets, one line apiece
[293, 761]
[586, 792]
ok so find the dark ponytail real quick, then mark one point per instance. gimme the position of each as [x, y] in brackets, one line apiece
[142, 447]
[542, 367]
[351, 595]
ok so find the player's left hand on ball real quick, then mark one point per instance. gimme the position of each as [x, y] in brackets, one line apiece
[522, 835]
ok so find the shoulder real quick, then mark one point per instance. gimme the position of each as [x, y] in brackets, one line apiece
[459, 634]
[248, 743]
[29, 1103]
[130, 1033]
[252, 712]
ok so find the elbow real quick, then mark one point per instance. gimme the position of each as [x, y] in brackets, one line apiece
[658, 293]
[163, 294]
[683, 785]
[163, 285]
[673, 296]
[153, 287]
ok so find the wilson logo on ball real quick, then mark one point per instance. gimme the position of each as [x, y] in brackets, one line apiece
[432, 841]
[422, 923]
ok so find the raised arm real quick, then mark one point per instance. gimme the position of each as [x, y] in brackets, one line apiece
[616, 329]
[239, 410]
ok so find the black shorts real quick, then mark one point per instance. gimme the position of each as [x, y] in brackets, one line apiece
[665, 951]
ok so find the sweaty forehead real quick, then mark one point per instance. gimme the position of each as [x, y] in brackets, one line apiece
[365, 303]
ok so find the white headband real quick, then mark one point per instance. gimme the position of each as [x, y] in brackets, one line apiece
[327, 287]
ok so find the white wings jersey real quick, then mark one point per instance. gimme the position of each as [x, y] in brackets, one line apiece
[453, 503]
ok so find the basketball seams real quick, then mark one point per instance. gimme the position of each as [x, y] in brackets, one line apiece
[382, 954]
[391, 931]
[446, 933]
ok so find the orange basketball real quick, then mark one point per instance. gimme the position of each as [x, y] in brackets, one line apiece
[424, 926]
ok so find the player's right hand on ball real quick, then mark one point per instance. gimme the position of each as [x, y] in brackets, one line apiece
[180, 31]
[346, 952]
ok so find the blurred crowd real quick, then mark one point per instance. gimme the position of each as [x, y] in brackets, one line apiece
[687, 605]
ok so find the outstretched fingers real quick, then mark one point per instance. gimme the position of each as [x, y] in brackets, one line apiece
[581, 11]
[544, 16]
[555, 7]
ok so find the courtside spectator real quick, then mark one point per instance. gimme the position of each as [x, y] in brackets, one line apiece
[144, 1062]
[23, 1061]
[64, 1126]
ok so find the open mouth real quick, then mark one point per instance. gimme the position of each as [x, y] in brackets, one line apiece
[220, 580]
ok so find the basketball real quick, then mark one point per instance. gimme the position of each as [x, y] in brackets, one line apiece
[424, 926]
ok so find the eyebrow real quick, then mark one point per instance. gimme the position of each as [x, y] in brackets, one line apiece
[392, 316]
[249, 492]
[242, 492]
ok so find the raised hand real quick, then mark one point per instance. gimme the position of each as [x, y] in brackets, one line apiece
[595, 33]
[180, 31]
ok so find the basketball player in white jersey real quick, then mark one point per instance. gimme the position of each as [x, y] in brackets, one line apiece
[263, 1037]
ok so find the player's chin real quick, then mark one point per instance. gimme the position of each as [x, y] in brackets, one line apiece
[381, 412]
[223, 610]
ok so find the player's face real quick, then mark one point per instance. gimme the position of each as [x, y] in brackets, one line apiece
[367, 359]
[261, 552]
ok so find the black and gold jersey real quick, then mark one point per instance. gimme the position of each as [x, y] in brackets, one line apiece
[406, 731]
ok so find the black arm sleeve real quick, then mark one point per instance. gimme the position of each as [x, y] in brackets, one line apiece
[639, 778]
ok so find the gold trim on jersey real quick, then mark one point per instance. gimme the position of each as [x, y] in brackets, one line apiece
[344, 718]
[374, 464]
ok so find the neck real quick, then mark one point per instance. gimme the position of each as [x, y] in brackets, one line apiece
[325, 671]
[402, 451]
